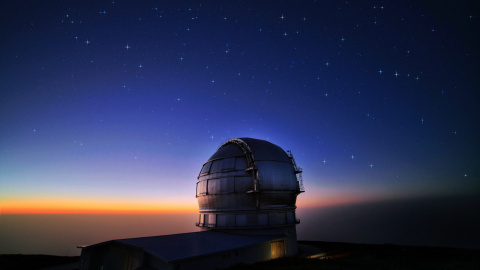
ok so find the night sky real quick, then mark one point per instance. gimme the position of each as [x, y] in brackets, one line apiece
[113, 106]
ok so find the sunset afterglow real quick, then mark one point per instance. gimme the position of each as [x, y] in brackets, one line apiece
[95, 206]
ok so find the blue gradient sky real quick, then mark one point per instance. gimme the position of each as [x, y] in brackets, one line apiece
[114, 106]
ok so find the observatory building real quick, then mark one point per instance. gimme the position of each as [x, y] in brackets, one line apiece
[246, 194]
[249, 186]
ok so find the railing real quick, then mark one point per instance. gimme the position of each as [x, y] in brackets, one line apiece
[300, 182]
[298, 172]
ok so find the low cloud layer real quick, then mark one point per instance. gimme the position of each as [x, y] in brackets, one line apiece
[431, 221]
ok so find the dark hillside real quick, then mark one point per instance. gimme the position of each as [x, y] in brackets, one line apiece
[26, 262]
[363, 256]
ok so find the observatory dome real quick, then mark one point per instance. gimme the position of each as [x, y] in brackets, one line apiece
[248, 183]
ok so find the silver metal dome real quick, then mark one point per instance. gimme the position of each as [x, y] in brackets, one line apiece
[247, 184]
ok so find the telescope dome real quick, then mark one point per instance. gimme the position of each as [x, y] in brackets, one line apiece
[248, 183]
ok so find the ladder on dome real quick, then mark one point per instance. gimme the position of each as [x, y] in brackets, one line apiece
[298, 172]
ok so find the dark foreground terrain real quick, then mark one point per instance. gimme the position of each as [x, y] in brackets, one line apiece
[339, 256]
[20, 262]
[363, 256]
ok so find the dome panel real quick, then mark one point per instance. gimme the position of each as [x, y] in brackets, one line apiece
[229, 150]
[222, 165]
[264, 150]
[274, 175]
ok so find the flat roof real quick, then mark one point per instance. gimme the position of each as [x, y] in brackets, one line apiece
[176, 247]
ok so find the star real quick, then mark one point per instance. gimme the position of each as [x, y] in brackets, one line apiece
[140, 66]
[324, 161]
[380, 71]
[282, 17]
[127, 47]
[396, 74]
[327, 64]
[326, 95]
[213, 80]
[465, 175]
[87, 42]
[352, 156]
[421, 121]
[371, 165]
[285, 34]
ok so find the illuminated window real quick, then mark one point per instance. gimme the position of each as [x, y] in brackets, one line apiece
[277, 249]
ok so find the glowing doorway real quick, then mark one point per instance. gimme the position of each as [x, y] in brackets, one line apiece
[277, 249]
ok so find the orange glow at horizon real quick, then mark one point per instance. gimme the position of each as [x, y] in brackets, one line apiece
[67, 205]
[63, 206]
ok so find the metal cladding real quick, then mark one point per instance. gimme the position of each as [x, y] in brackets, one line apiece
[247, 184]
